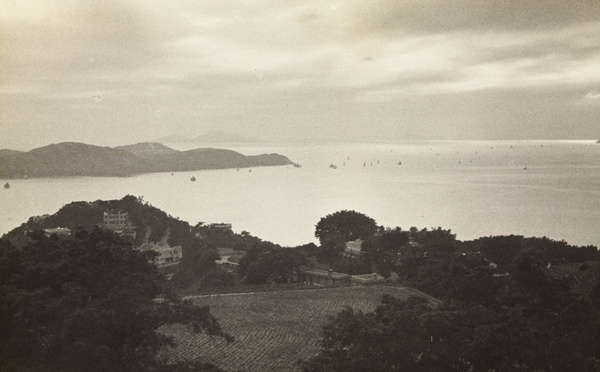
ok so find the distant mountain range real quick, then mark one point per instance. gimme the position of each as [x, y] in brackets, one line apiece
[79, 159]
[213, 136]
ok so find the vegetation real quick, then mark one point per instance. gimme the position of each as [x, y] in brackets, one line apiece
[508, 303]
[88, 303]
[151, 223]
[346, 226]
[270, 264]
[505, 309]
[334, 230]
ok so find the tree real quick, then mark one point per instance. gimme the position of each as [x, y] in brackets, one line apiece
[345, 225]
[383, 251]
[437, 242]
[398, 336]
[198, 260]
[412, 335]
[266, 262]
[87, 303]
[332, 247]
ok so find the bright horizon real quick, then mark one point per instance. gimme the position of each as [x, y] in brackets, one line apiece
[183, 146]
[113, 73]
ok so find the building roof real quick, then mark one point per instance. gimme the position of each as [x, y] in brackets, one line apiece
[55, 230]
[367, 278]
[324, 273]
[115, 211]
[354, 246]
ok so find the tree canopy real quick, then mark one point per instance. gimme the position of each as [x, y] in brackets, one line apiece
[346, 226]
[414, 335]
[89, 302]
[518, 315]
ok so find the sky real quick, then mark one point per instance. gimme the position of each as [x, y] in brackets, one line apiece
[110, 72]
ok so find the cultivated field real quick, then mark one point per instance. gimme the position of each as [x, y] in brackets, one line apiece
[272, 330]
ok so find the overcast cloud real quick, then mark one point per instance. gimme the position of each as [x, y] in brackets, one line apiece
[113, 72]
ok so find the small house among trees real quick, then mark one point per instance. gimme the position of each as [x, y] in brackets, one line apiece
[366, 279]
[353, 248]
[115, 220]
[165, 253]
[323, 277]
[59, 231]
[221, 226]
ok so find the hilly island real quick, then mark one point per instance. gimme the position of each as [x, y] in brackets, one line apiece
[79, 159]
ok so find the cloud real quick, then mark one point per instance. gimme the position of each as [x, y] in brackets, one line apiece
[393, 17]
[240, 61]
[593, 95]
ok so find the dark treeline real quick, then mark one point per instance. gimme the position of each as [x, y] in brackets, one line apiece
[503, 303]
[508, 303]
[89, 302]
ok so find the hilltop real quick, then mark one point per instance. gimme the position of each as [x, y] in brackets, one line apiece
[79, 159]
[152, 223]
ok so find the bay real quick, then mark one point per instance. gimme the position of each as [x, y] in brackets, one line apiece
[474, 188]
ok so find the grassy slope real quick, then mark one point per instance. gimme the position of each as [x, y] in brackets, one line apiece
[272, 330]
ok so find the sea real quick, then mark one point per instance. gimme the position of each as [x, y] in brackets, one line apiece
[473, 188]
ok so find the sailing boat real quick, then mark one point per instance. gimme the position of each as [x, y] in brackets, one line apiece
[193, 179]
[7, 185]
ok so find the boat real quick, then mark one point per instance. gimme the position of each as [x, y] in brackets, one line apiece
[7, 185]
[296, 165]
[332, 166]
[193, 179]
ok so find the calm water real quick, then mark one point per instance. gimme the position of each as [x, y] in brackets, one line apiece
[534, 188]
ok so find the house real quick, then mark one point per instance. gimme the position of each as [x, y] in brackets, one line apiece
[37, 219]
[166, 253]
[118, 222]
[353, 248]
[221, 226]
[228, 265]
[323, 277]
[59, 231]
[115, 220]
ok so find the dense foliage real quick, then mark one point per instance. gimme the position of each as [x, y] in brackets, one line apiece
[88, 302]
[414, 335]
[269, 263]
[507, 306]
[345, 226]
[151, 223]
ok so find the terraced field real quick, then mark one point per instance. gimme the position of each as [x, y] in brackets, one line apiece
[272, 330]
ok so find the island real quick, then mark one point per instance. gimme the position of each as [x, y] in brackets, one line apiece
[78, 159]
